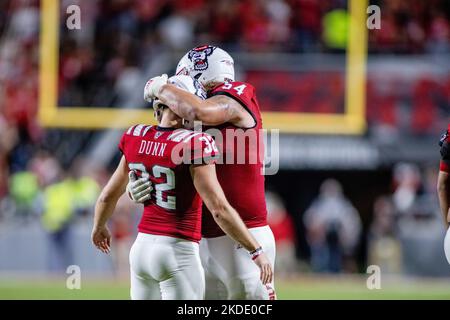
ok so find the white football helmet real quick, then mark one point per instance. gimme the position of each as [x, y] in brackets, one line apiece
[183, 67]
[207, 64]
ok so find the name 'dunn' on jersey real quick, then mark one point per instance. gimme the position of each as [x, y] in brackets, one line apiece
[152, 148]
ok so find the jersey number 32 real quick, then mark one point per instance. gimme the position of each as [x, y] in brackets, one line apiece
[170, 201]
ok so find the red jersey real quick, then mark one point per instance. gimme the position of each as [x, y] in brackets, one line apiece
[240, 168]
[164, 155]
[445, 164]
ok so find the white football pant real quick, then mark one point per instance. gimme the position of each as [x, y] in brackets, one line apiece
[167, 268]
[447, 245]
[230, 272]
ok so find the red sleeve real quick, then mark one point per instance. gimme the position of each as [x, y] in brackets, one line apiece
[242, 92]
[122, 141]
[122, 144]
[203, 150]
[444, 166]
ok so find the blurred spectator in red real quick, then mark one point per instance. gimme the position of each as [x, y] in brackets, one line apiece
[255, 26]
[306, 23]
[386, 38]
[439, 34]
[282, 227]
[224, 22]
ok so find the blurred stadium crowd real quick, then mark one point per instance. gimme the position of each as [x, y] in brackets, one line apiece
[44, 175]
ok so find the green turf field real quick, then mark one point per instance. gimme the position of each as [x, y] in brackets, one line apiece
[298, 288]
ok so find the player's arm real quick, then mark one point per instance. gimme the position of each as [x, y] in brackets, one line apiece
[106, 204]
[212, 111]
[207, 185]
[443, 187]
[443, 194]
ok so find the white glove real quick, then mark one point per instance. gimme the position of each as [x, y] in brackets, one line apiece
[153, 86]
[139, 190]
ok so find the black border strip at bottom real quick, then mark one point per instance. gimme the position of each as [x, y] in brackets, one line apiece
[165, 310]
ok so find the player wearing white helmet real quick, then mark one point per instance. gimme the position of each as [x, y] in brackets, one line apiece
[207, 64]
[231, 107]
[443, 187]
[164, 259]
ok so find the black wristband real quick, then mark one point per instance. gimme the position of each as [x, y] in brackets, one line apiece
[255, 253]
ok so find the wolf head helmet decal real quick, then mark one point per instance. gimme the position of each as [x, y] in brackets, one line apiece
[199, 57]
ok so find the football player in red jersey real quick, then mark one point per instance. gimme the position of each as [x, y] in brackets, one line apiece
[443, 187]
[231, 107]
[179, 163]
